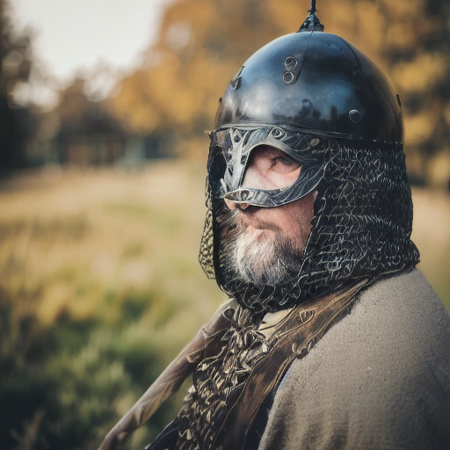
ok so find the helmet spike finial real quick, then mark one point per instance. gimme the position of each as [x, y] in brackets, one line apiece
[312, 22]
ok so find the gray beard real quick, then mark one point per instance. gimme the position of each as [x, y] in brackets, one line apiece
[255, 259]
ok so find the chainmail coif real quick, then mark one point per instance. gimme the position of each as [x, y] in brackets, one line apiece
[361, 228]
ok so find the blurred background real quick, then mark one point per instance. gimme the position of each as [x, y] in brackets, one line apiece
[103, 112]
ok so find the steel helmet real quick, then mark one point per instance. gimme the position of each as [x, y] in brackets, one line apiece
[316, 97]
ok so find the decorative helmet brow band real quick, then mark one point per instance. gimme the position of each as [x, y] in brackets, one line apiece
[236, 145]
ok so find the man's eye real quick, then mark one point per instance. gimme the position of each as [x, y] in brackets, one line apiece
[285, 160]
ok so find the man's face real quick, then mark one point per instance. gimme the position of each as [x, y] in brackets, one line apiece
[264, 245]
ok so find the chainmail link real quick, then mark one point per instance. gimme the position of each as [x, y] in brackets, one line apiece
[361, 228]
[206, 255]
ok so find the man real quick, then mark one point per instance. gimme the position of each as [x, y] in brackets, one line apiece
[331, 339]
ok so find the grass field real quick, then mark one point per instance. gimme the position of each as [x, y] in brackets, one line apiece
[100, 287]
[80, 237]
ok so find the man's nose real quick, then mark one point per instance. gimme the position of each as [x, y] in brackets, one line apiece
[231, 205]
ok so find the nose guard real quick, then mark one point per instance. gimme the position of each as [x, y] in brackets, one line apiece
[235, 145]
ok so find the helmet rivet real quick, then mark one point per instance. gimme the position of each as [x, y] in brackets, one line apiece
[288, 77]
[290, 63]
[356, 115]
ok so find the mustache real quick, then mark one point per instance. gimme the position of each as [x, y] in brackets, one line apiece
[235, 221]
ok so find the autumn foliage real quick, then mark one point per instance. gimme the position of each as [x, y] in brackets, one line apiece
[203, 43]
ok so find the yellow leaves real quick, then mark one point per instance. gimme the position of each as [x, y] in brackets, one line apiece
[134, 107]
[401, 35]
[419, 128]
[170, 91]
[408, 9]
[420, 74]
[371, 24]
[183, 16]
[289, 16]
[204, 42]
[447, 114]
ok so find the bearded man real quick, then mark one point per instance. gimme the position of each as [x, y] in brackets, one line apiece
[331, 338]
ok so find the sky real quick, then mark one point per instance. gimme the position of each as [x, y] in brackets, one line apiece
[79, 35]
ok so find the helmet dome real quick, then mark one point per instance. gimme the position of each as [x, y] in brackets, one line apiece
[317, 81]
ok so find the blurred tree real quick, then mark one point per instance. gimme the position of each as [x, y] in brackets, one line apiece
[88, 133]
[203, 43]
[422, 71]
[15, 66]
